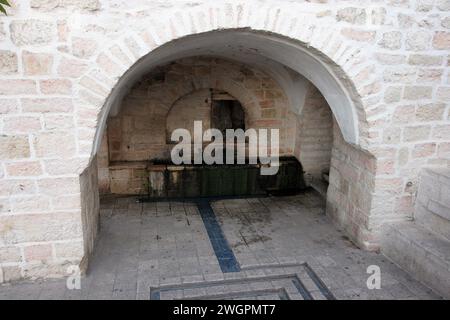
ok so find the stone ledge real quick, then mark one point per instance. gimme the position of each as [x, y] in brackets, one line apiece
[421, 253]
[431, 221]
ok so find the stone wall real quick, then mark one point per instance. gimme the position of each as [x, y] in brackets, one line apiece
[314, 137]
[157, 105]
[176, 95]
[350, 190]
[432, 208]
[139, 131]
[90, 210]
[421, 246]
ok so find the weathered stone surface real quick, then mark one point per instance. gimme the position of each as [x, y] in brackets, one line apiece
[28, 168]
[8, 62]
[58, 121]
[48, 5]
[40, 252]
[446, 23]
[378, 16]
[358, 35]
[417, 92]
[441, 131]
[83, 47]
[22, 124]
[424, 5]
[43, 105]
[441, 40]
[416, 133]
[30, 204]
[17, 86]
[443, 5]
[10, 254]
[392, 94]
[73, 249]
[430, 75]
[65, 166]
[56, 86]
[60, 60]
[40, 227]
[390, 59]
[71, 68]
[11, 273]
[443, 94]
[400, 74]
[425, 60]
[31, 32]
[430, 112]
[392, 135]
[404, 114]
[418, 40]
[391, 40]
[420, 252]
[352, 15]
[9, 106]
[55, 144]
[14, 147]
[59, 186]
[423, 150]
[62, 30]
[17, 187]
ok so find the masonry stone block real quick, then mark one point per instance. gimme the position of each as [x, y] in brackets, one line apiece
[391, 40]
[430, 112]
[17, 86]
[441, 40]
[37, 63]
[419, 252]
[44, 105]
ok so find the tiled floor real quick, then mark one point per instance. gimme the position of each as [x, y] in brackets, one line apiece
[285, 248]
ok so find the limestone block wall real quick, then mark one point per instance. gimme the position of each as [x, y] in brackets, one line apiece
[60, 60]
[314, 136]
[187, 109]
[350, 192]
[157, 105]
[103, 166]
[139, 131]
[432, 208]
[90, 210]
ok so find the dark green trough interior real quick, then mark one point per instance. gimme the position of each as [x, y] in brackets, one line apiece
[191, 181]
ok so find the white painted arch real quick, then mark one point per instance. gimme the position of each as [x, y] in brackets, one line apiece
[275, 54]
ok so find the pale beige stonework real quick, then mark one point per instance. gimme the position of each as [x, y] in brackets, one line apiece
[61, 59]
